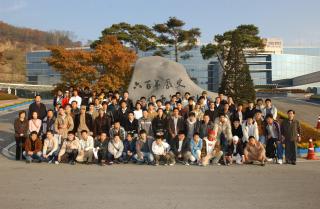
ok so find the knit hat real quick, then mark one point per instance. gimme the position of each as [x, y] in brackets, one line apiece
[235, 138]
[211, 132]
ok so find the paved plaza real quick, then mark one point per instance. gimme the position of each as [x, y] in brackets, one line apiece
[139, 187]
[132, 186]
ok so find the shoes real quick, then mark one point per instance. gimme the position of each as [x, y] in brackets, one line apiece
[28, 161]
[293, 163]
[171, 164]
[165, 164]
[110, 163]
[56, 162]
[280, 162]
[262, 164]
[186, 163]
[72, 163]
[156, 164]
[269, 159]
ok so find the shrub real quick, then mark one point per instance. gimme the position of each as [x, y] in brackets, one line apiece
[5, 96]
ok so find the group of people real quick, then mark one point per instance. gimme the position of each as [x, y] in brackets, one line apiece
[108, 128]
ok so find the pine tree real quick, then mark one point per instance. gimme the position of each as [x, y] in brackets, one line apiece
[229, 47]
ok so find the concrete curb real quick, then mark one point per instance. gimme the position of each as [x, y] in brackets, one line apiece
[7, 153]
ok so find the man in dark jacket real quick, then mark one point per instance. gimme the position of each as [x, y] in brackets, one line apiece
[102, 124]
[181, 148]
[33, 147]
[273, 136]
[212, 112]
[250, 111]
[101, 147]
[176, 124]
[121, 114]
[131, 124]
[291, 132]
[235, 151]
[127, 100]
[48, 123]
[129, 149]
[205, 126]
[38, 107]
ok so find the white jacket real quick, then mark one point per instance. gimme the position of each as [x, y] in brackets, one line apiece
[88, 144]
[249, 130]
[160, 149]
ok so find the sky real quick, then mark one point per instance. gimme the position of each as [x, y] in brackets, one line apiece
[295, 21]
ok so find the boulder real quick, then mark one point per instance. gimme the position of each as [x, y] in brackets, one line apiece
[161, 77]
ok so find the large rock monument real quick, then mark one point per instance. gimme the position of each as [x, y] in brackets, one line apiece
[161, 77]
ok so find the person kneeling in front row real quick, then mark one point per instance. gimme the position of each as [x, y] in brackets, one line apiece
[181, 148]
[235, 152]
[254, 151]
[211, 149]
[115, 149]
[143, 148]
[69, 149]
[101, 149]
[50, 148]
[196, 147]
[129, 150]
[87, 145]
[160, 151]
[32, 148]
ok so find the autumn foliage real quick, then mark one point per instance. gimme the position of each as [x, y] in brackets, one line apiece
[107, 66]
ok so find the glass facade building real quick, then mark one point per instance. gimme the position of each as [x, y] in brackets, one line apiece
[38, 70]
[265, 68]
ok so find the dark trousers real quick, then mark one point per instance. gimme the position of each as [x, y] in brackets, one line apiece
[270, 148]
[102, 155]
[112, 158]
[273, 147]
[70, 156]
[20, 147]
[291, 151]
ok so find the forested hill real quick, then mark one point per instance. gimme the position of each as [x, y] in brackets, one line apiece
[16, 41]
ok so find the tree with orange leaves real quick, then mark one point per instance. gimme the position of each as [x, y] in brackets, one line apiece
[115, 63]
[108, 66]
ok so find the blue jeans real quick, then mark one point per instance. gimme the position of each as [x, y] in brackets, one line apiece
[36, 156]
[262, 139]
[52, 157]
[147, 157]
[279, 150]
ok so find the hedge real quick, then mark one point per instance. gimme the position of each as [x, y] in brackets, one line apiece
[5, 96]
[307, 132]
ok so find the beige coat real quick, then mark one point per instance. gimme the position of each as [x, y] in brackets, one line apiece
[63, 125]
[224, 128]
[255, 152]
[70, 145]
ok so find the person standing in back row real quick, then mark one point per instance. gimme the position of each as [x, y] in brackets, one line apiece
[37, 107]
[291, 133]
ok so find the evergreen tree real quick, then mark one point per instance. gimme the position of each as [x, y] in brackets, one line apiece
[229, 49]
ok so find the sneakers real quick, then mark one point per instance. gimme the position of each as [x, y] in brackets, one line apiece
[156, 164]
[280, 162]
[56, 162]
[186, 163]
[269, 159]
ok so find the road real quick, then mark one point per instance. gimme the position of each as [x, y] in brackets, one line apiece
[142, 187]
[305, 111]
[7, 118]
[131, 186]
